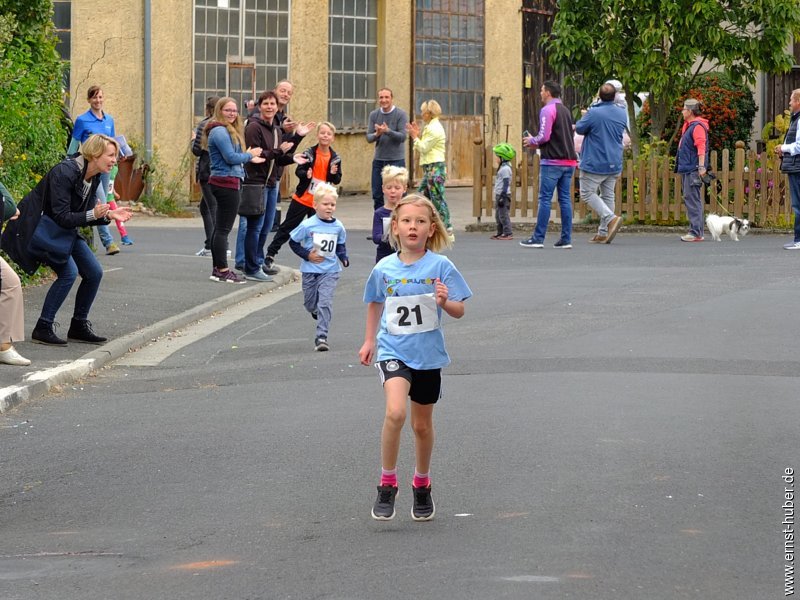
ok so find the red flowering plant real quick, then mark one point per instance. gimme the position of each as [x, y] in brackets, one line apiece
[728, 106]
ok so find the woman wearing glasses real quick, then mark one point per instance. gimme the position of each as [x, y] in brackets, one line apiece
[224, 139]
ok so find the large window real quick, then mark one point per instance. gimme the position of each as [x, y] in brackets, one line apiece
[449, 55]
[62, 23]
[241, 47]
[352, 61]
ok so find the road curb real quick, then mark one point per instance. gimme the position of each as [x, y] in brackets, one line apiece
[39, 383]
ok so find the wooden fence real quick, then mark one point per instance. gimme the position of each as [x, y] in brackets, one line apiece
[750, 187]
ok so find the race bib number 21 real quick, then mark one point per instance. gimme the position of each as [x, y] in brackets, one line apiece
[411, 314]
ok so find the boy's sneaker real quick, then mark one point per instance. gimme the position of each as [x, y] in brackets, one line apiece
[562, 244]
[690, 237]
[112, 249]
[321, 345]
[225, 276]
[126, 240]
[792, 246]
[258, 276]
[203, 252]
[383, 509]
[269, 266]
[423, 508]
[531, 243]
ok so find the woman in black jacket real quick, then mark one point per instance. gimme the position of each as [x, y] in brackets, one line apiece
[263, 131]
[68, 195]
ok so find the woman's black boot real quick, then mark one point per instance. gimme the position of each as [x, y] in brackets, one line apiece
[81, 331]
[44, 333]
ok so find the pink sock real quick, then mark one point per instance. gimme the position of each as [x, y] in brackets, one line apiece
[389, 477]
[421, 480]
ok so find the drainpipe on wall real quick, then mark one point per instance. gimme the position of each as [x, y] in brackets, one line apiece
[148, 88]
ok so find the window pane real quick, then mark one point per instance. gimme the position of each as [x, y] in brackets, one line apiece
[62, 15]
[449, 54]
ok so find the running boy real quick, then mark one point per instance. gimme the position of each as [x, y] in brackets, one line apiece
[502, 191]
[406, 294]
[395, 183]
[319, 241]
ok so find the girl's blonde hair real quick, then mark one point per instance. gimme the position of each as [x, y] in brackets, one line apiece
[96, 145]
[324, 189]
[391, 173]
[438, 241]
[235, 129]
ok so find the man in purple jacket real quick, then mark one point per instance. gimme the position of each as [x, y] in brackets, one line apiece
[558, 161]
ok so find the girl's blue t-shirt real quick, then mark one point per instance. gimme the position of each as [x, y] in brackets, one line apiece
[391, 280]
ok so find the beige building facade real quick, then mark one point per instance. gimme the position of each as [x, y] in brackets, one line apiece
[465, 53]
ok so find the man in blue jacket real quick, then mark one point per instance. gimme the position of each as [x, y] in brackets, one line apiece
[789, 153]
[603, 126]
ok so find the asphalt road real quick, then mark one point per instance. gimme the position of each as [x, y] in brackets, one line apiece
[615, 425]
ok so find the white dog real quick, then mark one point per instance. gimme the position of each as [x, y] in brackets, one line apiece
[731, 225]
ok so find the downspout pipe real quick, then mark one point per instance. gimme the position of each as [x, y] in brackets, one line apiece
[148, 83]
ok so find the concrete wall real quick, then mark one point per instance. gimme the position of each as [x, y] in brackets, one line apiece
[503, 70]
[107, 50]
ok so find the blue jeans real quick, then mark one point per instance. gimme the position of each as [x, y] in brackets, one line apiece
[552, 177]
[377, 180]
[263, 226]
[83, 263]
[794, 189]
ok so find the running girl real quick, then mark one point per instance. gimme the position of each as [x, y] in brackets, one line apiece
[406, 294]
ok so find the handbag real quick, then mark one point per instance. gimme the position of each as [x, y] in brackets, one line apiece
[251, 203]
[51, 243]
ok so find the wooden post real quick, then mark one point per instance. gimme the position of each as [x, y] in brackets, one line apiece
[665, 187]
[523, 200]
[477, 177]
[738, 179]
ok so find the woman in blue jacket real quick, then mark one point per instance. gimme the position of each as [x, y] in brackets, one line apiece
[224, 139]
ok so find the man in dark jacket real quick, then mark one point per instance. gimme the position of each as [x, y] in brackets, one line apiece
[208, 204]
[558, 161]
[789, 152]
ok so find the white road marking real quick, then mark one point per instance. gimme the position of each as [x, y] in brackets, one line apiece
[153, 354]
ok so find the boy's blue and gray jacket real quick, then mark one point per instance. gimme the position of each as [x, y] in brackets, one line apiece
[226, 157]
[603, 126]
[502, 181]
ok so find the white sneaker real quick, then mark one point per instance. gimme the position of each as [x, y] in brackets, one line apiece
[792, 246]
[12, 357]
[203, 252]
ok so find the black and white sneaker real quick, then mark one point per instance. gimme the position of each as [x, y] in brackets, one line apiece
[383, 509]
[563, 244]
[423, 508]
[321, 345]
[269, 266]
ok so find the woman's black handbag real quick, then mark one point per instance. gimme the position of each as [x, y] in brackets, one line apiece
[51, 243]
[252, 201]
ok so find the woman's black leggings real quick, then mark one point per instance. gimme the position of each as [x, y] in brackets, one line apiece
[227, 207]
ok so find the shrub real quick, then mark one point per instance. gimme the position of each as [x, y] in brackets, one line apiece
[728, 106]
[31, 122]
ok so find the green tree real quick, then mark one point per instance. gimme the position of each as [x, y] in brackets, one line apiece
[30, 103]
[661, 46]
